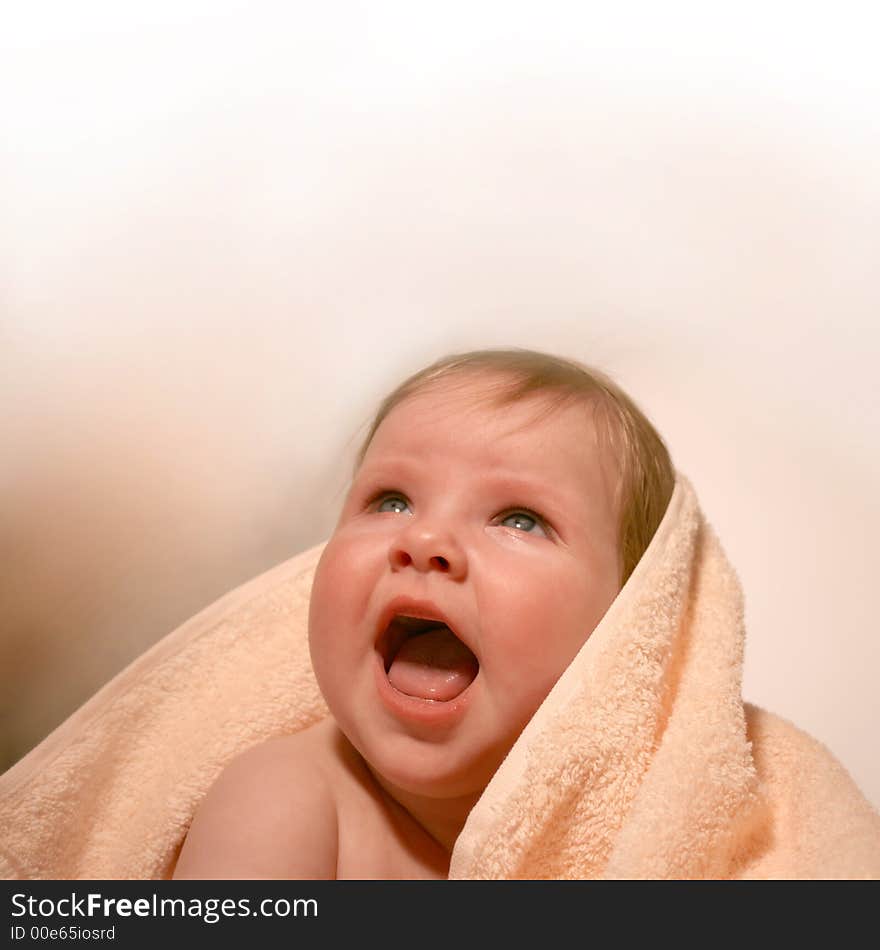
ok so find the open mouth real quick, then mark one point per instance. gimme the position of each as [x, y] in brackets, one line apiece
[425, 659]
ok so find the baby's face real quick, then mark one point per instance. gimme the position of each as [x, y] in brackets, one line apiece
[500, 526]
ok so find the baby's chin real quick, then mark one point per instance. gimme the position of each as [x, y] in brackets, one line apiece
[450, 771]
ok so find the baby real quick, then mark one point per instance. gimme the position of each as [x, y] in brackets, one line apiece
[499, 503]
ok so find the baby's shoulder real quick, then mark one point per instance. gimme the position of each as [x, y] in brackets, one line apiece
[301, 757]
[270, 814]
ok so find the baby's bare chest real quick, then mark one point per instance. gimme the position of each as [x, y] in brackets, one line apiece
[376, 839]
[374, 847]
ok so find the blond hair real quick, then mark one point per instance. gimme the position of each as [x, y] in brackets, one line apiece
[646, 476]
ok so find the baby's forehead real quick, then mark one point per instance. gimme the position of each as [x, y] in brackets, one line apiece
[478, 397]
[537, 442]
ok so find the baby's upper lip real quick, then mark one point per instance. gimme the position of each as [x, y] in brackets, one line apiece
[413, 607]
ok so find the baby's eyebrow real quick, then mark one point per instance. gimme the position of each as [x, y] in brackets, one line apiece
[388, 468]
[541, 492]
[407, 466]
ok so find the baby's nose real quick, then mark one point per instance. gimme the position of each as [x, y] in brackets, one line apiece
[428, 550]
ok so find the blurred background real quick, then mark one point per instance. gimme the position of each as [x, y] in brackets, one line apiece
[228, 228]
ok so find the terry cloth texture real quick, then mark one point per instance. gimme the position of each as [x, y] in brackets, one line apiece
[643, 762]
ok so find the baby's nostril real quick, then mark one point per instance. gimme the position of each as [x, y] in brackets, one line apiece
[442, 563]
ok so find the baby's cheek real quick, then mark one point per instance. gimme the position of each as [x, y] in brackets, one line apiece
[324, 601]
[332, 576]
[526, 667]
[341, 600]
[535, 650]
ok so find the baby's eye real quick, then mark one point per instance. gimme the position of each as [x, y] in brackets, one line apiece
[390, 499]
[525, 521]
[522, 519]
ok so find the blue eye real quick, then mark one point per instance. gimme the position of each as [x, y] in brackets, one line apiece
[393, 500]
[524, 521]
[520, 517]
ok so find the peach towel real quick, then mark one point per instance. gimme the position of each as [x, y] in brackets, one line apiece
[643, 762]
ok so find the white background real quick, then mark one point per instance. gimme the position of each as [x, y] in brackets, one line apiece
[229, 228]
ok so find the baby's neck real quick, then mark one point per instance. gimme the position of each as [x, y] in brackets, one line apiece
[442, 819]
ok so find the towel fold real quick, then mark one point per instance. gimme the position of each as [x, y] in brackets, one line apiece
[643, 761]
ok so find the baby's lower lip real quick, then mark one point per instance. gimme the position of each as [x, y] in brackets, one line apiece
[429, 712]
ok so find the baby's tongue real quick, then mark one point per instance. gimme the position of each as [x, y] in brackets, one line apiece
[433, 665]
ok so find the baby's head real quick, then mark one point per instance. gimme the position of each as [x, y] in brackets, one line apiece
[507, 495]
